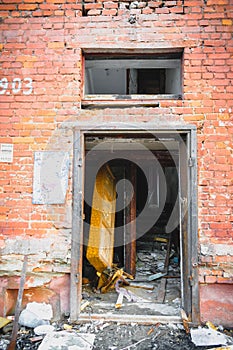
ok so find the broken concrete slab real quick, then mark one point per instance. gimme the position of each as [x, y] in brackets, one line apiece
[207, 337]
[64, 340]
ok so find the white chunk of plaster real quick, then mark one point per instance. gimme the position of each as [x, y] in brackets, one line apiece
[207, 337]
[41, 310]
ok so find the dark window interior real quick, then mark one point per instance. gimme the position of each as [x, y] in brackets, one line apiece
[151, 81]
[130, 75]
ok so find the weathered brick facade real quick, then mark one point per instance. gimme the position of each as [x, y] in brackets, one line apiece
[41, 63]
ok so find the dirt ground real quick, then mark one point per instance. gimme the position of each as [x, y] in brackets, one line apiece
[113, 336]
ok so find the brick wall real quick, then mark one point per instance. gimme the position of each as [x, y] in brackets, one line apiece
[40, 46]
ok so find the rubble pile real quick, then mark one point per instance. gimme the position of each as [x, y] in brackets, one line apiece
[104, 335]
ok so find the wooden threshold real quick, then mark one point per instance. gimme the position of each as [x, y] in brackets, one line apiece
[125, 319]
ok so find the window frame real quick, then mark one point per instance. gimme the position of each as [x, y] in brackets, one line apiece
[166, 59]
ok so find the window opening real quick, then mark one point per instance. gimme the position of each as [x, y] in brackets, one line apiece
[132, 77]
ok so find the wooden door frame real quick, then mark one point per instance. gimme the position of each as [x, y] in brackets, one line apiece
[80, 131]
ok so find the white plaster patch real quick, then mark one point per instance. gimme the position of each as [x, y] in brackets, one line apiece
[27, 246]
[217, 249]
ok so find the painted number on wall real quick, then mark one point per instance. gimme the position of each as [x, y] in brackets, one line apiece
[16, 86]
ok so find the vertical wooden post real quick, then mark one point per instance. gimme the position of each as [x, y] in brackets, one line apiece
[12, 345]
[130, 248]
[194, 229]
[184, 253]
[77, 228]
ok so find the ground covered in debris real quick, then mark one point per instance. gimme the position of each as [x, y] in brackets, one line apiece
[113, 336]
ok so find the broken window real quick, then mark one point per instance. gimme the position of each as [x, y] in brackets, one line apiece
[127, 77]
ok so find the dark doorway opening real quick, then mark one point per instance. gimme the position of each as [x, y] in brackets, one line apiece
[102, 146]
[144, 246]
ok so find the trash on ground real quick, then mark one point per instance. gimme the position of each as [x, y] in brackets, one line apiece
[119, 301]
[211, 325]
[84, 304]
[142, 285]
[67, 327]
[64, 340]
[185, 321]
[130, 296]
[4, 321]
[8, 328]
[36, 339]
[156, 276]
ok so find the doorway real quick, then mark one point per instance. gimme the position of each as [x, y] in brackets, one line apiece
[154, 221]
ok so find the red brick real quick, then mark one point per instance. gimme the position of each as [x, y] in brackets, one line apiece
[94, 12]
[30, 122]
[210, 279]
[93, 6]
[110, 5]
[154, 4]
[111, 12]
[27, 7]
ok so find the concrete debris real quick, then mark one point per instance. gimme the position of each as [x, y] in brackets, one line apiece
[42, 310]
[64, 340]
[43, 329]
[132, 346]
[29, 319]
[36, 314]
[208, 337]
[108, 336]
